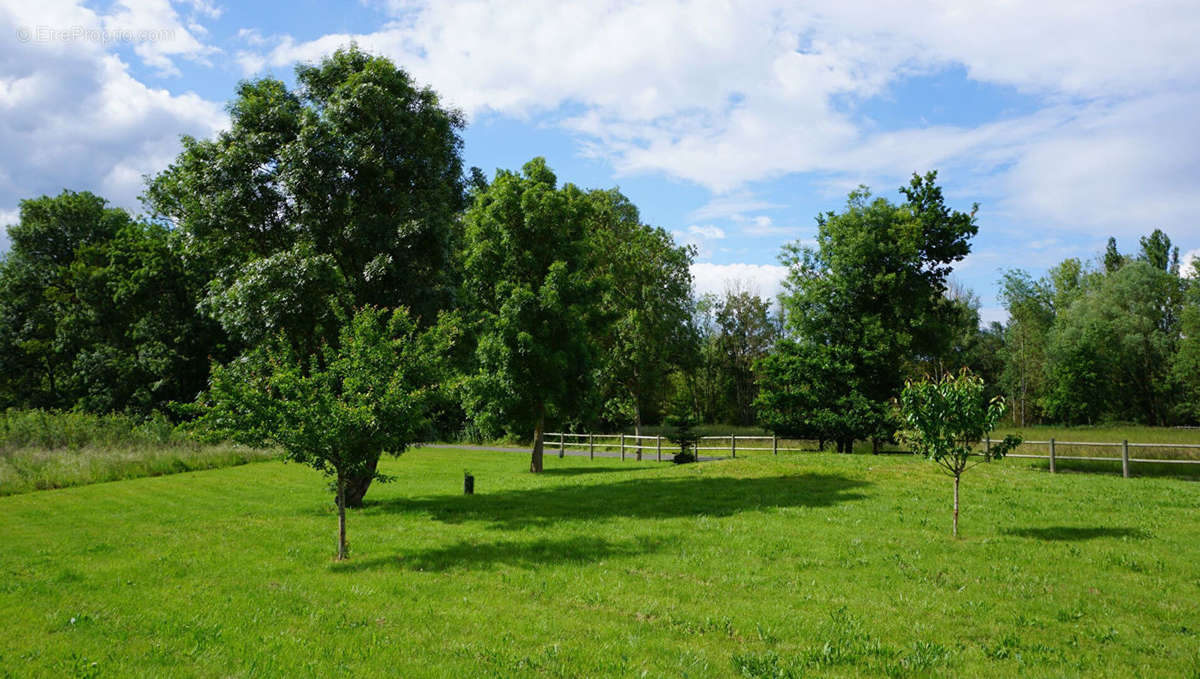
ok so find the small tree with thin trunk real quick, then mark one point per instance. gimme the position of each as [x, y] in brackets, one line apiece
[944, 419]
[337, 410]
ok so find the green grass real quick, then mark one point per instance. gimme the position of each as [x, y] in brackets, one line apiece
[40, 450]
[808, 564]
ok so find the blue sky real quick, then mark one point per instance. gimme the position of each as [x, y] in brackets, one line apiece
[730, 124]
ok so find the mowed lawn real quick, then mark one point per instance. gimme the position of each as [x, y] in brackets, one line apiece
[809, 564]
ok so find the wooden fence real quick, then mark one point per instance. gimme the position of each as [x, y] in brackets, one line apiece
[637, 446]
[1125, 459]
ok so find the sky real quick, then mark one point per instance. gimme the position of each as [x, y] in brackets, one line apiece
[730, 124]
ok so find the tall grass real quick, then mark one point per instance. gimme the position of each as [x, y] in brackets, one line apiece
[41, 450]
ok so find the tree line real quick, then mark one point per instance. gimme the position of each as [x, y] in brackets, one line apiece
[540, 304]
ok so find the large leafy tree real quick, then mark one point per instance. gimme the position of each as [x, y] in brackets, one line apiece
[644, 282]
[338, 410]
[338, 194]
[746, 334]
[1086, 344]
[35, 293]
[527, 284]
[1031, 313]
[97, 311]
[1185, 365]
[1111, 350]
[869, 298]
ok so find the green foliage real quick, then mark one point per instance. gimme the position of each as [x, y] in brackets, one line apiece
[336, 411]
[810, 391]
[526, 280]
[340, 193]
[734, 331]
[41, 449]
[746, 334]
[682, 422]
[1186, 364]
[945, 418]
[97, 312]
[645, 286]
[862, 305]
[66, 430]
[1106, 343]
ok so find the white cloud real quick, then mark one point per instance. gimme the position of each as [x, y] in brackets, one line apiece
[723, 94]
[7, 219]
[700, 237]
[732, 205]
[1189, 264]
[710, 232]
[158, 32]
[72, 116]
[762, 225]
[764, 280]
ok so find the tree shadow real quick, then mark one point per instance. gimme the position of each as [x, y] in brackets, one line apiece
[521, 553]
[1187, 472]
[577, 471]
[1077, 533]
[644, 498]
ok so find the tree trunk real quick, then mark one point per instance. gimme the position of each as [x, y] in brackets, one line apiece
[956, 506]
[341, 505]
[637, 428]
[357, 485]
[535, 463]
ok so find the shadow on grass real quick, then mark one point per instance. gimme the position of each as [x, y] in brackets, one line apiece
[1187, 472]
[651, 498]
[1075, 533]
[521, 553]
[577, 471]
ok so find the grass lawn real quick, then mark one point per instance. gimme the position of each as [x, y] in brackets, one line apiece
[806, 564]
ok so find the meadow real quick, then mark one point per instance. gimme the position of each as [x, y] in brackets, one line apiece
[805, 564]
[40, 450]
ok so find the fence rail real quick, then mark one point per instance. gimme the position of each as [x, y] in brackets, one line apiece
[639, 444]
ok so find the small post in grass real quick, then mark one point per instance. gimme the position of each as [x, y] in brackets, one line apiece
[1051, 456]
[622, 447]
[562, 443]
[658, 446]
[987, 448]
[1125, 458]
[774, 444]
[733, 445]
[591, 448]
[468, 484]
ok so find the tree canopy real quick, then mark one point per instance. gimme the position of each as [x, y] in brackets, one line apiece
[528, 289]
[862, 305]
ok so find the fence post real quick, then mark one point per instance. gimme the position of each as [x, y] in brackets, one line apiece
[774, 444]
[562, 443]
[733, 445]
[638, 442]
[591, 448]
[622, 446]
[1125, 459]
[1051, 456]
[658, 445]
[987, 448]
